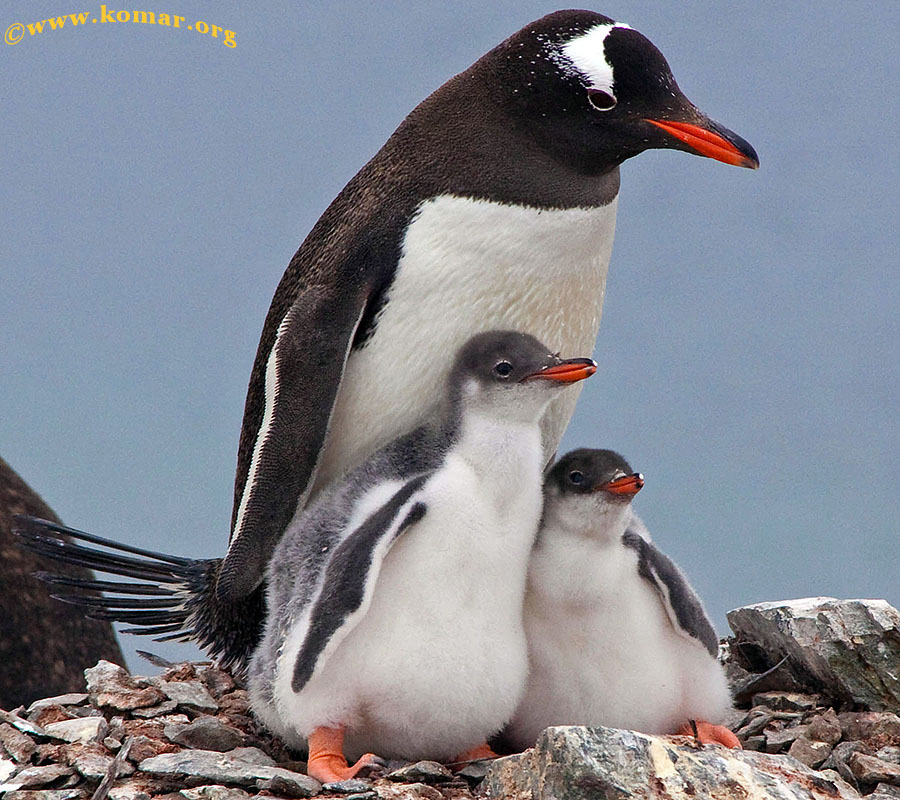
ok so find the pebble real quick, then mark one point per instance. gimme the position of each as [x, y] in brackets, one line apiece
[71, 699]
[37, 776]
[190, 694]
[422, 771]
[80, 729]
[206, 733]
[825, 727]
[813, 754]
[214, 792]
[16, 743]
[779, 739]
[869, 769]
[787, 701]
[349, 786]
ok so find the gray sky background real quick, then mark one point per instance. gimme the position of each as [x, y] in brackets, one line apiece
[155, 184]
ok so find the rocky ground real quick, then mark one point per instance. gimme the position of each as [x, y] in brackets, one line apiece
[817, 687]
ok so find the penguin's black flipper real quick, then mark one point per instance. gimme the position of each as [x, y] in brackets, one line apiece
[173, 598]
[350, 574]
[680, 601]
[298, 375]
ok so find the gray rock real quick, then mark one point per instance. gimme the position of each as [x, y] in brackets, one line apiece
[20, 724]
[810, 753]
[254, 755]
[884, 791]
[869, 769]
[71, 699]
[214, 792]
[780, 739]
[16, 743]
[839, 758]
[190, 694]
[110, 685]
[474, 772]
[165, 707]
[93, 766]
[222, 768]
[349, 786]
[787, 701]
[421, 772]
[129, 791]
[370, 795]
[35, 776]
[206, 733]
[290, 784]
[43, 794]
[848, 647]
[80, 729]
[411, 791]
[889, 753]
[574, 763]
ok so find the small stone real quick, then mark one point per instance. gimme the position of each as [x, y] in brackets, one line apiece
[191, 694]
[37, 776]
[43, 794]
[253, 755]
[884, 791]
[371, 795]
[421, 771]
[473, 773]
[780, 739]
[424, 791]
[284, 785]
[839, 758]
[129, 791]
[80, 729]
[16, 743]
[143, 747]
[224, 768]
[112, 744]
[49, 714]
[165, 707]
[758, 719]
[869, 769]
[877, 728]
[824, 728]
[889, 753]
[756, 743]
[206, 733]
[110, 685]
[348, 786]
[71, 699]
[214, 792]
[217, 680]
[7, 768]
[813, 754]
[235, 703]
[93, 766]
[20, 724]
[787, 701]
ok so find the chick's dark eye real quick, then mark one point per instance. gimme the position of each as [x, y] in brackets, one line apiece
[576, 477]
[503, 369]
[600, 100]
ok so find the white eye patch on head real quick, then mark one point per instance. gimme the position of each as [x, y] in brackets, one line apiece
[586, 54]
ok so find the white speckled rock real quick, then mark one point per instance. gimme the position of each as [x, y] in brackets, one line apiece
[573, 763]
[849, 647]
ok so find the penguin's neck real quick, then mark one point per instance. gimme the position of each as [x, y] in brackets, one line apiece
[490, 444]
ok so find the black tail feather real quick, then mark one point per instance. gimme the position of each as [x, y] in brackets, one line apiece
[173, 599]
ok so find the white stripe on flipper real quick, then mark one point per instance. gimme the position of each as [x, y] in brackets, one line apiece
[586, 53]
[666, 597]
[265, 430]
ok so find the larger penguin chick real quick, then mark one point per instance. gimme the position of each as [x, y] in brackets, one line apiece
[395, 600]
[616, 634]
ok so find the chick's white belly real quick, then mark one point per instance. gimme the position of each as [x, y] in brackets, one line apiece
[469, 266]
[439, 661]
[623, 666]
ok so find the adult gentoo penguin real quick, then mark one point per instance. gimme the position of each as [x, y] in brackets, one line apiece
[368, 588]
[493, 205]
[616, 634]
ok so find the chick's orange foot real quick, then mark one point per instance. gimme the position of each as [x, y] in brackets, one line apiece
[707, 733]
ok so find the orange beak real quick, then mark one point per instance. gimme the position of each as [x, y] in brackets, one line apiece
[732, 150]
[569, 371]
[629, 485]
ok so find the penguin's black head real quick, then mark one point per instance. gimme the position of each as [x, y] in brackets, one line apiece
[511, 368]
[593, 92]
[602, 473]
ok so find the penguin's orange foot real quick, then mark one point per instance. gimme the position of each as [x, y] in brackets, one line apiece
[707, 733]
[475, 754]
[326, 762]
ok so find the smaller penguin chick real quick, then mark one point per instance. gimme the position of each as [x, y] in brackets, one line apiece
[616, 634]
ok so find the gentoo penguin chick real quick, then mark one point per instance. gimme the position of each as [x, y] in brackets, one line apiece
[616, 634]
[492, 206]
[394, 618]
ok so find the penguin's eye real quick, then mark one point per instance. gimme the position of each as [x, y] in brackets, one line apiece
[600, 100]
[503, 369]
[576, 477]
